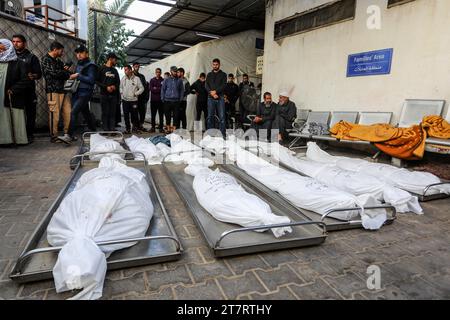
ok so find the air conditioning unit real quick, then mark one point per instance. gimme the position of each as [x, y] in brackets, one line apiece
[11, 7]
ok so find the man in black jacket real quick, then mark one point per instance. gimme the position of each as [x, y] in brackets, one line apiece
[198, 88]
[231, 94]
[246, 92]
[215, 85]
[34, 73]
[265, 115]
[183, 105]
[143, 98]
[108, 80]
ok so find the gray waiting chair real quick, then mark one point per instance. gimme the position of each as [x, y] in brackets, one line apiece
[414, 110]
[370, 118]
[302, 133]
[337, 117]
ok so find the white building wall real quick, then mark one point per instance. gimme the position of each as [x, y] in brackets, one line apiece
[313, 65]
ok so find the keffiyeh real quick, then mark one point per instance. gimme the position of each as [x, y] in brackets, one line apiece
[10, 53]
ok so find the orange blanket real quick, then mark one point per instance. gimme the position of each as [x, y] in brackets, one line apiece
[403, 143]
[436, 127]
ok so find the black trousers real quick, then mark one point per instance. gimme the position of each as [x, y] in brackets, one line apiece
[131, 108]
[182, 115]
[230, 111]
[201, 106]
[109, 103]
[172, 110]
[157, 107]
[118, 111]
[142, 111]
[30, 112]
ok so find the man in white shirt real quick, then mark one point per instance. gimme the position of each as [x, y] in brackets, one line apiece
[131, 88]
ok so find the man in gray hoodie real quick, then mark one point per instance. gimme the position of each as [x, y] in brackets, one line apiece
[172, 93]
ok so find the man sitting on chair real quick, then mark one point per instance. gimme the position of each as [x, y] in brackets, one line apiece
[285, 115]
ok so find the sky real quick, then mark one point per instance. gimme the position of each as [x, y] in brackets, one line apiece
[144, 10]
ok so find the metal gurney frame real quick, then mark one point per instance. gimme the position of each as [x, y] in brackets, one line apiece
[424, 197]
[161, 243]
[85, 144]
[230, 239]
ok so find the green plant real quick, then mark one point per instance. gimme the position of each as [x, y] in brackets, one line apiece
[112, 34]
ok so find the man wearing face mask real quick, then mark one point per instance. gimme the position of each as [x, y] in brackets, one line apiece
[285, 116]
[265, 115]
[34, 73]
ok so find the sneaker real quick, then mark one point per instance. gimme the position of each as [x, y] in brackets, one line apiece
[65, 139]
[54, 139]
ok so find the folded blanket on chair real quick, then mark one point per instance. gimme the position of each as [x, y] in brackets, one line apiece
[402, 143]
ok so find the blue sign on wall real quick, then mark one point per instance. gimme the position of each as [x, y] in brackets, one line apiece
[370, 63]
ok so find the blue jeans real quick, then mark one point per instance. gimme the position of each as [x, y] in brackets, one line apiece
[216, 108]
[80, 104]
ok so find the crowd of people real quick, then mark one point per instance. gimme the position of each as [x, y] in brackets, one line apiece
[70, 88]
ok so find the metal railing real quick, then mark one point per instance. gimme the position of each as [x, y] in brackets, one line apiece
[59, 25]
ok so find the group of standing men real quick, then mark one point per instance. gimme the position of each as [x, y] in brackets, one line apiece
[70, 88]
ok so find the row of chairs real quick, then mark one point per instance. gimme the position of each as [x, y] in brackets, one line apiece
[412, 113]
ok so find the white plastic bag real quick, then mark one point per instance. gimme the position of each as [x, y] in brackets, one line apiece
[357, 183]
[100, 144]
[412, 181]
[108, 203]
[307, 193]
[227, 201]
[148, 149]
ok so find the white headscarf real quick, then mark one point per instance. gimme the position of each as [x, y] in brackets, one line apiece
[10, 53]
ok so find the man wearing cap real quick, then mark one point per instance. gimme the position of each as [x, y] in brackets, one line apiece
[285, 115]
[109, 82]
[86, 74]
[172, 93]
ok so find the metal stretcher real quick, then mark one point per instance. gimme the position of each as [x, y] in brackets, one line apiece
[160, 243]
[332, 224]
[227, 239]
[425, 198]
[85, 144]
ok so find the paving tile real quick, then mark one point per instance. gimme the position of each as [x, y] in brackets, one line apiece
[318, 290]
[208, 290]
[235, 286]
[156, 279]
[277, 277]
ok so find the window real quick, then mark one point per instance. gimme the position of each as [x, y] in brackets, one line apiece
[393, 3]
[325, 15]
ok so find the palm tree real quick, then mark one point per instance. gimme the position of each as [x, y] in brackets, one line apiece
[107, 25]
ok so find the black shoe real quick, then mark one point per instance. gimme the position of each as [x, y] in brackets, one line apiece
[127, 131]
